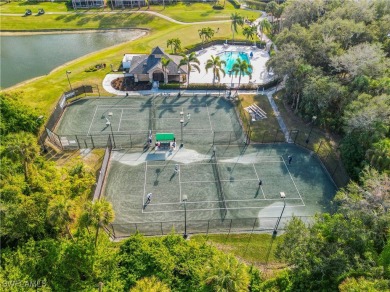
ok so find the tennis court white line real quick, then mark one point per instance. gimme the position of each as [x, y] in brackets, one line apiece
[120, 106]
[208, 113]
[135, 119]
[219, 161]
[143, 197]
[241, 200]
[222, 180]
[179, 106]
[212, 209]
[179, 182]
[178, 128]
[89, 129]
[258, 179]
[120, 121]
[293, 181]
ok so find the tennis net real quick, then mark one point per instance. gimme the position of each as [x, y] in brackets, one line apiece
[152, 115]
[221, 195]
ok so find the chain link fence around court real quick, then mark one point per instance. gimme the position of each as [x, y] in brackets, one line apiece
[311, 139]
[211, 226]
[67, 98]
[133, 138]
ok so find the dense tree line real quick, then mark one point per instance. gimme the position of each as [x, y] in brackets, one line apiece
[50, 235]
[334, 56]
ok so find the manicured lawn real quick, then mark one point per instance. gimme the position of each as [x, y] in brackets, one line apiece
[265, 129]
[21, 6]
[185, 12]
[194, 12]
[83, 21]
[257, 249]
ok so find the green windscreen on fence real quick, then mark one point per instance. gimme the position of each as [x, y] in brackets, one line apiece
[165, 137]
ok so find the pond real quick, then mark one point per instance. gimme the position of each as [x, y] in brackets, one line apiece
[27, 56]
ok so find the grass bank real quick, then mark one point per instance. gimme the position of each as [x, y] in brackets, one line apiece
[194, 12]
[253, 249]
[60, 15]
[262, 130]
[82, 21]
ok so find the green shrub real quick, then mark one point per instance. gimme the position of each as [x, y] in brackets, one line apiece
[95, 67]
[235, 3]
[169, 86]
[91, 69]
[248, 87]
[255, 4]
[269, 84]
[218, 7]
[206, 86]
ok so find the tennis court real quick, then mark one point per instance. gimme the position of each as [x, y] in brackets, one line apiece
[202, 119]
[219, 183]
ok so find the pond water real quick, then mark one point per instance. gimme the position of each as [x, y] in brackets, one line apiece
[27, 56]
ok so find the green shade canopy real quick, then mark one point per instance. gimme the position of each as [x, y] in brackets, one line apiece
[165, 137]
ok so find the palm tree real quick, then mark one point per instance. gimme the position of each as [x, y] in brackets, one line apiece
[97, 214]
[241, 68]
[150, 284]
[164, 63]
[227, 274]
[236, 20]
[264, 26]
[59, 213]
[22, 147]
[170, 43]
[176, 45]
[250, 32]
[191, 61]
[206, 33]
[216, 64]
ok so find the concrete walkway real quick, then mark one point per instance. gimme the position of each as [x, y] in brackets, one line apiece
[275, 108]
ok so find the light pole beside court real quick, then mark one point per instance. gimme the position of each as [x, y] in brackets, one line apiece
[185, 235]
[283, 196]
[311, 129]
[181, 124]
[108, 123]
[67, 75]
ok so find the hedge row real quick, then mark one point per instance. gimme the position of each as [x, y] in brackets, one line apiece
[206, 86]
[256, 4]
[218, 7]
[235, 3]
[169, 86]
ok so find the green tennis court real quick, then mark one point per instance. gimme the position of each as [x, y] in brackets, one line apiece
[218, 189]
[195, 119]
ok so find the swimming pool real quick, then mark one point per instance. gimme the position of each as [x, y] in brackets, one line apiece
[231, 57]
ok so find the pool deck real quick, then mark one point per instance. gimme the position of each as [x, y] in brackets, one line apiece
[259, 74]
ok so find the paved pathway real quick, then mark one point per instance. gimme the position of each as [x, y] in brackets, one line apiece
[125, 12]
[275, 108]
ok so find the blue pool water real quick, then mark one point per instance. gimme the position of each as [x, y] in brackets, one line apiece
[231, 57]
